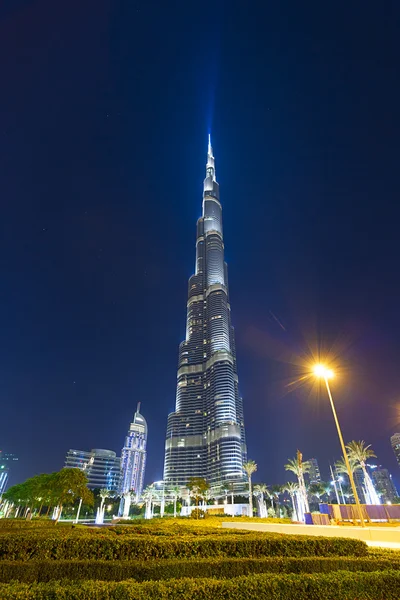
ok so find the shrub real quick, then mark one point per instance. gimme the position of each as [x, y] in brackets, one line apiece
[72, 570]
[340, 585]
[24, 524]
[198, 513]
[26, 546]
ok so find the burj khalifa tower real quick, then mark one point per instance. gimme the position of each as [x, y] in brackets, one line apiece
[205, 434]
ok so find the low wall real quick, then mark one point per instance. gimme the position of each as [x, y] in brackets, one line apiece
[375, 535]
[233, 510]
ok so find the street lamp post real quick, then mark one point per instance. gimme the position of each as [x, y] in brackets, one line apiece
[325, 374]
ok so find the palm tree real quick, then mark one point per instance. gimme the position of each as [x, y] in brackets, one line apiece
[231, 490]
[317, 490]
[175, 493]
[360, 453]
[148, 495]
[274, 493]
[259, 490]
[104, 494]
[299, 468]
[249, 468]
[327, 487]
[341, 467]
[292, 489]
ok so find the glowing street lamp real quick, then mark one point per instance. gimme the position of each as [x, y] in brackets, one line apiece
[323, 373]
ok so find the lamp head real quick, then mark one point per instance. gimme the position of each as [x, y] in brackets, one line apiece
[321, 371]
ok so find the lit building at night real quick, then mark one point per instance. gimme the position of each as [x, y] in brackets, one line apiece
[314, 475]
[133, 462]
[102, 467]
[7, 461]
[384, 485]
[205, 434]
[358, 477]
[395, 443]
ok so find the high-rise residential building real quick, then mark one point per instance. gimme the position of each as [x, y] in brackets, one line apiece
[395, 443]
[102, 467]
[314, 475]
[359, 482]
[133, 457]
[205, 434]
[384, 485]
[7, 461]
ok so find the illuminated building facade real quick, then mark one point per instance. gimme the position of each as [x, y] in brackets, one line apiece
[395, 443]
[384, 485]
[7, 461]
[205, 435]
[133, 457]
[102, 467]
[314, 475]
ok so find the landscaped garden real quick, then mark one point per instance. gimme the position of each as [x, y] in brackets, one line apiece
[185, 558]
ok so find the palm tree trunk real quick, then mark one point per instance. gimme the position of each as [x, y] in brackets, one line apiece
[59, 513]
[250, 499]
[294, 507]
[175, 508]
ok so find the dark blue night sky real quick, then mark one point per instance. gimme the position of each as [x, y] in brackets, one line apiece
[105, 109]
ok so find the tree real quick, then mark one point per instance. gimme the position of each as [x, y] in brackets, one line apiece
[231, 489]
[299, 468]
[292, 489]
[249, 468]
[69, 485]
[326, 486]
[104, 494]
[197, 487]
[175, 491]
[18, 495]
[359, 453]
[317, 490]
[149, 495]
[274, 493]
[44, 490]
[341, 466]
[260, 490]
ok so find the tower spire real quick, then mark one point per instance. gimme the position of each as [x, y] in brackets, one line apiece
[210, 167]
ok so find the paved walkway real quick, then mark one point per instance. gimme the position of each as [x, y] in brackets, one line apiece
[382, 537]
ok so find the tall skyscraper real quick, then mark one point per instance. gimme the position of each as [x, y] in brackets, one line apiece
[133, 457]
[102, 467]
[384, 485]
[314, 475]
[7, 461]
[395, 443]
[205, 434]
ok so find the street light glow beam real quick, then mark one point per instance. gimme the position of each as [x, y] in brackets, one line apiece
[322, 371]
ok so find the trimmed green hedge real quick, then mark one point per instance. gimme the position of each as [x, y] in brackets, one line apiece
[340, 585]
[27, 547]
[24, 524]
[173, 528]
[219, 568]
